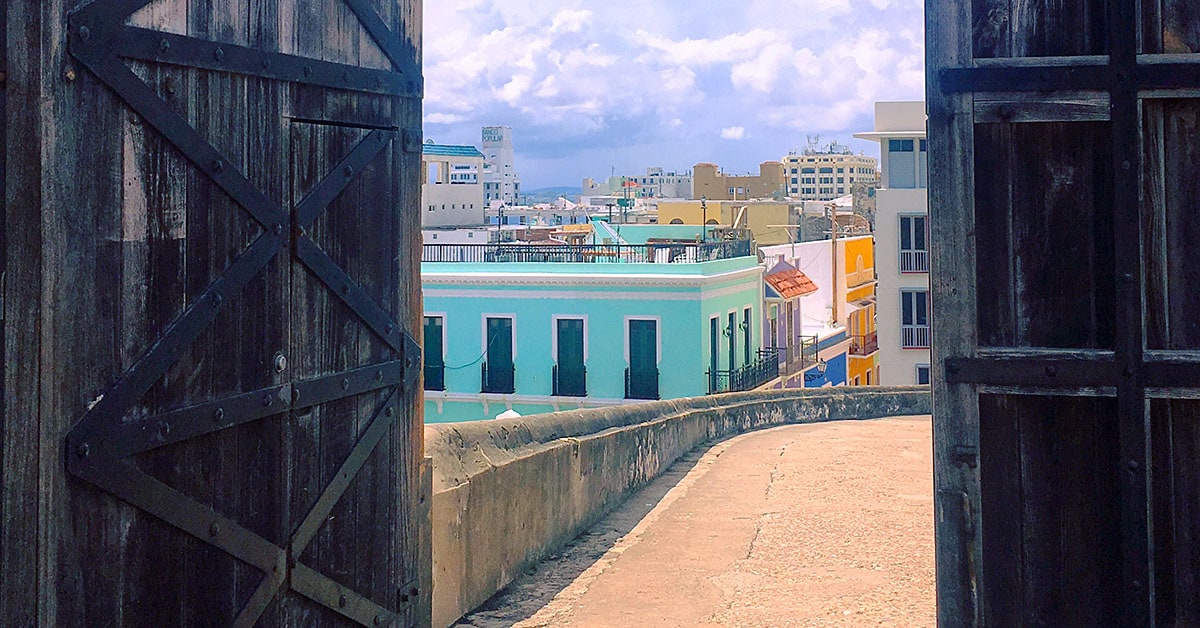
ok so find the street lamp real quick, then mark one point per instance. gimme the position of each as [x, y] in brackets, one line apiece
[704, 220]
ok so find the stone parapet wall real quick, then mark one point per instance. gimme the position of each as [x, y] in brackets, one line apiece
[508, 493]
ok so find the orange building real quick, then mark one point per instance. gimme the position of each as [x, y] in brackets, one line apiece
[709, 182]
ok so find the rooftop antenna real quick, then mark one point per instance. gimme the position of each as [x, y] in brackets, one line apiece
[814, 140]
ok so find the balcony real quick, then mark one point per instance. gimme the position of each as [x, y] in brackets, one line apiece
[500, 378]
[641, 385]
[914, 336]
[568, 384]
[864, 345]
[435, 376]
[914, 261]
[749, 377]
[653, 253]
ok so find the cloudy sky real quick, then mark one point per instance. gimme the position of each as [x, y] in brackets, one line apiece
[626, 84]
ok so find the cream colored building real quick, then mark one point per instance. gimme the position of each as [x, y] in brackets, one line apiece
[767, 220]
[451, 186]
[826, 174]
[709, 182]
[902, 243]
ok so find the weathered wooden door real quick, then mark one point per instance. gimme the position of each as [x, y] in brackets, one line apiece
[238, 290]
[1064, 203]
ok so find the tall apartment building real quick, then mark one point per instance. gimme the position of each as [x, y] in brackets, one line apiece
[451, 186]
[709, 182]
[828, 173]
[500, 180]
[902, 243]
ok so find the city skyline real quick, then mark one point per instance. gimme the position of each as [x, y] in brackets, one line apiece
[591, 89]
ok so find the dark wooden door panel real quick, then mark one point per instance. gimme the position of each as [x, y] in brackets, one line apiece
[255, 456]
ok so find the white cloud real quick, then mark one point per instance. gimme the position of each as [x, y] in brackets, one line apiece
[587, 83]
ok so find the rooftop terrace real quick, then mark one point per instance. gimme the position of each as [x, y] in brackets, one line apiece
[669, 252]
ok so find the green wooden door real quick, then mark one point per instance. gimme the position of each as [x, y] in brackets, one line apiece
[643, 359]
[571, 372]
[435, 367]
[498, 371]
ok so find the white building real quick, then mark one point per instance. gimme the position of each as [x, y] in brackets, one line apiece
[451, 186]
[827, 173]
[655, 183]
[500, 180]
[902, 243]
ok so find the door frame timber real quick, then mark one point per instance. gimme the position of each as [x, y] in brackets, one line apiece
[99, 446]
[962, 91]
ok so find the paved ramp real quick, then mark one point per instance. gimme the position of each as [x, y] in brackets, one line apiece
[807, 525]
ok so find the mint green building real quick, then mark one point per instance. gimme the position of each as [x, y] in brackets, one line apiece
[537, 328]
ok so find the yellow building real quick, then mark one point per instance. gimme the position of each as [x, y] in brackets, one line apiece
[767, 220]
[858, 255]
[709, 182]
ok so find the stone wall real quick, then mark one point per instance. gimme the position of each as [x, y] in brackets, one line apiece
[508, 493]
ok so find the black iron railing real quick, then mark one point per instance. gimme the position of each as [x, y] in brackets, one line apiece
[435, 376]
[569, 386]
[644, 385]
[865, 344]
[655, 253]
[751, 376]
[499, 379]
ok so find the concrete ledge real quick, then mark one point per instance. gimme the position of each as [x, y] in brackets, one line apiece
[508, 493]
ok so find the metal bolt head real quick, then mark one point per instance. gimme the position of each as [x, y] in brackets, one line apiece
[85, 32]
[268, 399]
[341, 601]
[83, 450]
[219, 54]
[1127, 277]
[345, 384]
[1133, 465]
[164, 430]
[379, 376]
[219, 415]
[164, 45]
[389, 411]
[308, 70]
[378, 620]
[1125, 165]
[217, 299]
[348, 171]
[214, 529]
[280, 362]
[1051, 371]
[218, 166]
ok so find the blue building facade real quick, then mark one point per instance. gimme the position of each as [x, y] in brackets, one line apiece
[534, 329]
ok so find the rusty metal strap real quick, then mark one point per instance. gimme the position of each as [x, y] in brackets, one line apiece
[179, 335]
[1055, 78]
[311, 584]
[170, 48]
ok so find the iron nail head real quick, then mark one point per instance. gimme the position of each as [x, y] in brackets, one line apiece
[345, 383]
[214, 529]
[348, 171]
[379, 376]
[341, 601]
[85, 32]
[219, 54]
[219, 415]
[267, 399]
[1133, 465]
[83, 450]
[164, 45]
[1051, 371]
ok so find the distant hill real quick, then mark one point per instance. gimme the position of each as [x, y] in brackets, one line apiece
[549, 195]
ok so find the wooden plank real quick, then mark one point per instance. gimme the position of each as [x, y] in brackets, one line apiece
[1180, 26]
[1058, 182]
[1015, 28]
[19, 499]
[1177, 511]
[1080, 107]
[952, 246]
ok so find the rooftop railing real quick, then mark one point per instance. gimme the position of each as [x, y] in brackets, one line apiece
[653, 253]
